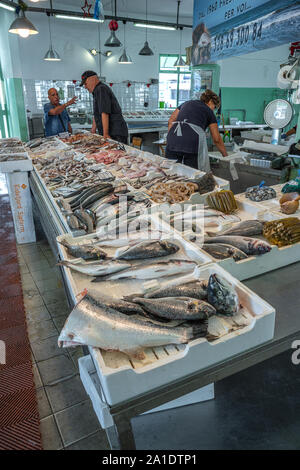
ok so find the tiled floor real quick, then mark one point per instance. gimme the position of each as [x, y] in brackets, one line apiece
[68, 420]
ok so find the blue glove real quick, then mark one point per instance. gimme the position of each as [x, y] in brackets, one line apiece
[283, 136]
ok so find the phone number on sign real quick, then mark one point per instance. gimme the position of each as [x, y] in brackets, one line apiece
[237, 37]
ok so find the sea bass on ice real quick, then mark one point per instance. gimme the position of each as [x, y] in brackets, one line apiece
[197, 289]
[223, 251]
[247, 228]
[148, 249]
[153, 270]
[177, 308]
[94, 268]
[250, 246]
[86, 252]
[102, 327]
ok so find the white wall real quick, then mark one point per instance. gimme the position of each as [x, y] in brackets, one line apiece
[72, 39]
[254, 70]
[9, 47]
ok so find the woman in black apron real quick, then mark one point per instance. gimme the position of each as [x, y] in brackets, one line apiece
[186, 140]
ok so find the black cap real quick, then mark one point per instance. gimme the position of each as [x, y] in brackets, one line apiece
[85, 75]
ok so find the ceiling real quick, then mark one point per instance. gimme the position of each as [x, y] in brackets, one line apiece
[133, 8]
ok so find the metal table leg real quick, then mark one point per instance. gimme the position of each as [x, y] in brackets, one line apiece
[121, 435]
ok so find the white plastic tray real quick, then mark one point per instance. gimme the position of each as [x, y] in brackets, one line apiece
[16, 165]
[122, 379]
[272, 205]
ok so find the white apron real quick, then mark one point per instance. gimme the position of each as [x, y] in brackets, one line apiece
[203, 158]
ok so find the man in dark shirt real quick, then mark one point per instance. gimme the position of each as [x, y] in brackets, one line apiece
[182, 144]
[108, 117]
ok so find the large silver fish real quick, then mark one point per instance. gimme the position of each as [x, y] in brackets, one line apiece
[126, 239]
[222, 295]
[177, 308]
[148, 249]
[86, 252]
[247, 228]
[95, 268]
[99, 326]
[223, 251]
[154, 270]
[250, 246]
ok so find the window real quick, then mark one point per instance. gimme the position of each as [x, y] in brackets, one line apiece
[4, 131]
[174, 82]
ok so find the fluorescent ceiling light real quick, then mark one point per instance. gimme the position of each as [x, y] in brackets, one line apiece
[7, 7]
[81, 18]
[154, 26]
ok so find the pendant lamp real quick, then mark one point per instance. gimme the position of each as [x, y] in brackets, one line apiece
[113, 41]
[125, 59]
[146, 49]
[51, 54]
[180, 62]
[22, 26]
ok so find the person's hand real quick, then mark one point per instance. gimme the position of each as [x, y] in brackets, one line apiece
[93, 130]
[72, 101]
[107, 136]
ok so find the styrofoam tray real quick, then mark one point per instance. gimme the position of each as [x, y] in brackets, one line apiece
[16, 165]
[122, 379]
[256, 265]
[273, 204]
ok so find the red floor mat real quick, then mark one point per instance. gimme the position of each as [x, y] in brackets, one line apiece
[19, 416]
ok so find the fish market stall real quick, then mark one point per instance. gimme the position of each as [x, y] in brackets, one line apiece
[166, 372]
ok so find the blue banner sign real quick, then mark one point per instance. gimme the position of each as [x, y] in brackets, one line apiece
[272, 29]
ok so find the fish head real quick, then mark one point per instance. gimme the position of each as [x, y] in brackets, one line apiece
[169, 246]
[260, 247]
[222, 295]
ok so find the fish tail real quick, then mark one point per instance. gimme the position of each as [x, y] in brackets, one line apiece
[197, 330]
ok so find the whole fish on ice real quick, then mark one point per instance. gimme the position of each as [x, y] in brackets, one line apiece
[197, 289]
[148, 249]
[223, 251]
[250, 246]
[99, 326]
[177, 308]
[86, 252]
[247, 228]
[153, 270]
[94, 268]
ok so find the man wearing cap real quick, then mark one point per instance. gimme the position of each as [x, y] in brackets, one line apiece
[108, 118]
[56, 117]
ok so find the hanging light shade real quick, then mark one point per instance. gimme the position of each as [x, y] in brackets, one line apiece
[146, 49]
[125, 59]
[180, 62]
[22, 26]
[51, 54]
[113, 41]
